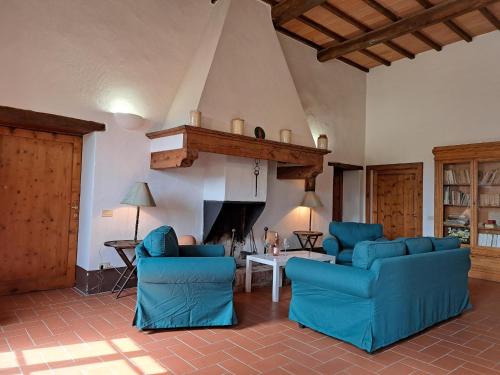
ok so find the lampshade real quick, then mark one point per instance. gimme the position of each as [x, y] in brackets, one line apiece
[139, 195]
[311, 200]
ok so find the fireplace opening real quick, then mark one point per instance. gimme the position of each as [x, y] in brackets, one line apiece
[221, 217]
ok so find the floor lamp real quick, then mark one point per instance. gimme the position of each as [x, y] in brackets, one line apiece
[311, 200]
[140, 196]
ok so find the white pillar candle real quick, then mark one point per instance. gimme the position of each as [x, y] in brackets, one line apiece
[195, 118]
[237, 126]
[285, 135]
[323, 141]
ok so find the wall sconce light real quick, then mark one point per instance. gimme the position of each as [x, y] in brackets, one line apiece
[129, 121]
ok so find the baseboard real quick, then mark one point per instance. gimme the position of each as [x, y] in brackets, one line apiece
[99, 281]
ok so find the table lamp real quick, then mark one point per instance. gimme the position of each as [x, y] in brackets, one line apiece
[140, 196]
[311, 200]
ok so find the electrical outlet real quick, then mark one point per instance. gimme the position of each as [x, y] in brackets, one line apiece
[107, 213]
[104, 266]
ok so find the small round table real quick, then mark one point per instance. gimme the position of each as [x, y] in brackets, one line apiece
[119, 246]
[307, 237]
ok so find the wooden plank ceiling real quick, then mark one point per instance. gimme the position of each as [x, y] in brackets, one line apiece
[368, 33]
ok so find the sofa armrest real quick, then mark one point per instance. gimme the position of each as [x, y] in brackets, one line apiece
[201, 250]
[141, 252]
[343, 279]
[331, 245]
[173, 270]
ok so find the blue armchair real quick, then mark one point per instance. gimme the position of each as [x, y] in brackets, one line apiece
[193, 289]
[344, 236]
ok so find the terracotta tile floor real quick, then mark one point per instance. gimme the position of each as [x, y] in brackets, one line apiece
[61, 332]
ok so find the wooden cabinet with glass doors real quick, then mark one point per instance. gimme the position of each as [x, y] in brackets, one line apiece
[467, 202]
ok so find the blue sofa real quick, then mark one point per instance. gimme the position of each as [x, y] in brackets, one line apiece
[344, 236]
[389, 292]
[182, 286]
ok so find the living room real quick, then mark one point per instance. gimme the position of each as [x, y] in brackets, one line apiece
[236, 138]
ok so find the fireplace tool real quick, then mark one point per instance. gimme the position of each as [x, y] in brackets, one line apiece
[233, 245]
[266, 244]
[253, 246]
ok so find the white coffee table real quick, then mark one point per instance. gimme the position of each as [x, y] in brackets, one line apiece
[278, 263]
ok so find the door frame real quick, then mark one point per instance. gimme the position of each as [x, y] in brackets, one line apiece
[49, 127]
[372, 171]
[338, 186]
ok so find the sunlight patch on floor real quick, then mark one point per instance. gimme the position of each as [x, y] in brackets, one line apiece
[147, 365]
[125, 345]
[8, 360]
[55, 356]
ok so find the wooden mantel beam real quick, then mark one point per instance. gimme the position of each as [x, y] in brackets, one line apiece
[287, 10]
[426, 17]
[179, 147]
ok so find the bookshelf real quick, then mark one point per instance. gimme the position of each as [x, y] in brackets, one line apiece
[467, 202]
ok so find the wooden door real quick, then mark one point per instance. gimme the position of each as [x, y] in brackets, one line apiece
[39, 198]
[394, 198]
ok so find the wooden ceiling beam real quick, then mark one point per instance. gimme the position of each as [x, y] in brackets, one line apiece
[317, 47]
[450, 23]
[298, 38]
[427, 17]
[394, 17]
[339, 38]
[287, 10]
[365, 28]
[490, 17]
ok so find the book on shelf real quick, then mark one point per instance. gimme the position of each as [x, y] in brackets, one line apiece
[488, 240]
[457, 176]
[489, 177]
[456, 197]
[457, 220]
[489, 200]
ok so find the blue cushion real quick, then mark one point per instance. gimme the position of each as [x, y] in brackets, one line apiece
[349, 234]
[447, 243]
[344, 257]
[162, 242]
[366, 252]
[418, 245]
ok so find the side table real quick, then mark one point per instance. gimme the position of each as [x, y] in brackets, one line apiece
[307, 238]
[278, 263]
[131, 269]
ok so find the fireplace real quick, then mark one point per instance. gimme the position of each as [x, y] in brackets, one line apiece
[221, 217]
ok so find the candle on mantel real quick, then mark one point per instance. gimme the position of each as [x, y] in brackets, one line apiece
[237, 126]
[195, 118]
[323, 141]
[285, 135]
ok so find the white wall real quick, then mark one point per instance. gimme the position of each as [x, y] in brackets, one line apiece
[333, 97]
[440, 98]
[84, 61]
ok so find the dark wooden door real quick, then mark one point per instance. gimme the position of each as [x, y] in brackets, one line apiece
[39, 198]
[394, 198]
